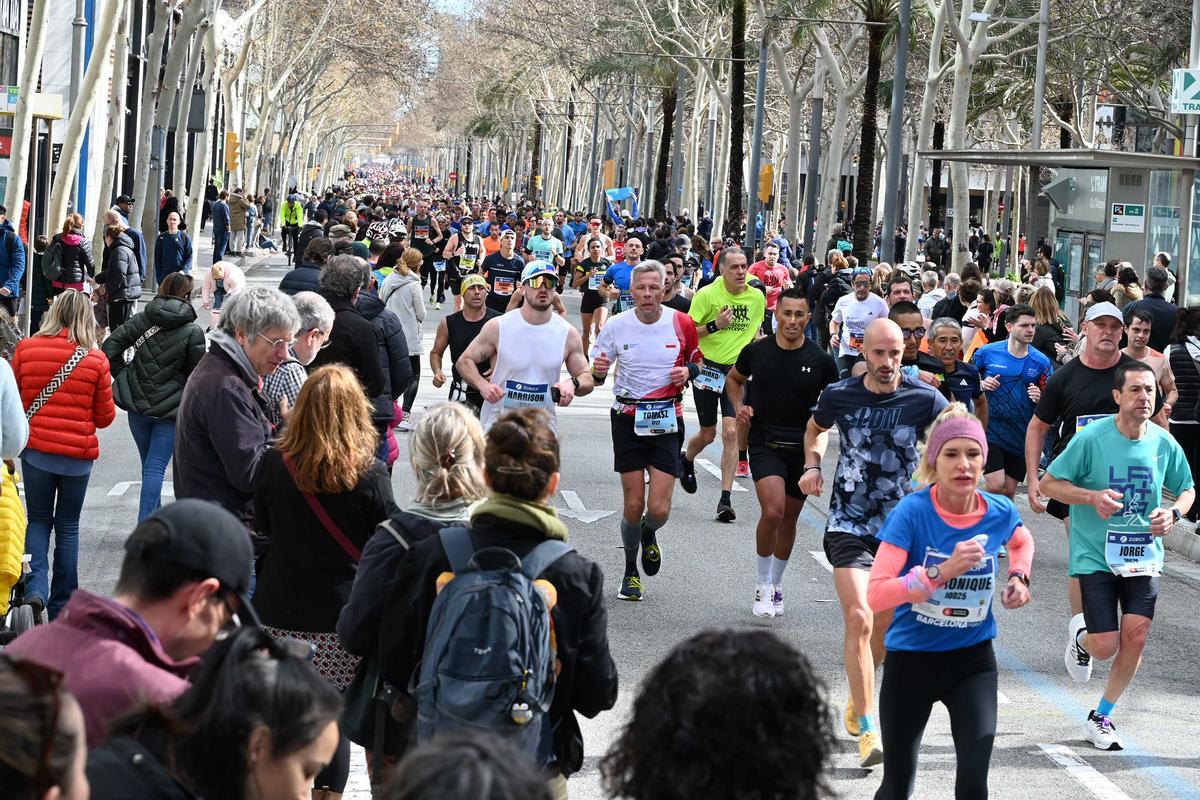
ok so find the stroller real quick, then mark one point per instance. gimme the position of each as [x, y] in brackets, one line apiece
[17, 615]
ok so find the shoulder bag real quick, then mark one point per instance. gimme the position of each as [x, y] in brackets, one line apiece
[55, 383]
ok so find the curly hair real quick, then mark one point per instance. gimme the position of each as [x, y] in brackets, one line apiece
[736, 714]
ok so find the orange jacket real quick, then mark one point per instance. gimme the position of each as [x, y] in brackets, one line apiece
[67, 424]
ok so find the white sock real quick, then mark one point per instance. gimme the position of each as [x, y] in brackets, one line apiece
[777, 568]
[764, 569]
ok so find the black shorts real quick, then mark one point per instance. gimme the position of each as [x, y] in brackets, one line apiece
[707, 403]
[591, 301]
[846, 363]
[633, 453]
[1102, 591]
[1000, 459]
[767, 461]
[847, 551]
[1058, 510]
[454, 281]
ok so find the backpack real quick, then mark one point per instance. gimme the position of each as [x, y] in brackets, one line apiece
[489, 658]
[52, 261]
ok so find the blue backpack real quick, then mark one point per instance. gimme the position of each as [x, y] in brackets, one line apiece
[488, 662]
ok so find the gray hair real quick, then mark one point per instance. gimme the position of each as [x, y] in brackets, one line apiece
[649, 266]
[258, 310]
[1157, 280]
[953, 279]
[929, 279]
[944, 322]
[344, 275]
[314, 310]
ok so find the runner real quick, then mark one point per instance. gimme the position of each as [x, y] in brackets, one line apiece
[789, 372]
[775, 277]
[616, 278]
[657, 350]
[594, 225]
[589, 278]
[1140, 323]
[853, 312]
[727, 313]
[914, 363]
[502, 270]
[1012, 376]
[543, 246]
[426, 235]
[672, 295]
[462, 255]
[457, 331]
[1112, 474]
[882, 412]
[491, 242]
[960, 380]
[530, 345]
[936, 567]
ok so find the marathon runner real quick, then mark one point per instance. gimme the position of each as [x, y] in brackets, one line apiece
[1112, 474]
[527, 348]
[914, 363]
[491, 242]
[880, 417]
[462, 255]
[502, 270]
[960, 380]
[657, 350]
[727, 313]
[1138, 348]
[775, 277]
[457, 331]
[1012, 376]
[672, 296]
[589, 278]
[616, 278]
[851, 314]
[595, 223]
[789, 372]
[426, 235]
[936, 567]
[544, 246]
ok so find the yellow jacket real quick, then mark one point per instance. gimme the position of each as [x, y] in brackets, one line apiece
[12, 536]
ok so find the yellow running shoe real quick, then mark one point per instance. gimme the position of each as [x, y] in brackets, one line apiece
[870, 752]
[851, 719]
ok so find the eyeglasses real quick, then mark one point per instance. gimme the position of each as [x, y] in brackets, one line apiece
[910, 333]
[277, 343]
[548, 281]
[42, 682]
[861, 284]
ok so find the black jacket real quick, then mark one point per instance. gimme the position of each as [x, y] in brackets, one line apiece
[393, 347]
[77, 262]
[306, 575]
[304, 278]
[152, 383]
[588, 681]
[950, 307]
[311, 230]
[122, 278]
[354, 343]
[1164, 316]
[127, 768]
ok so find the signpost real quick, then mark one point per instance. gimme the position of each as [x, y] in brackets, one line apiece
[1127, 218]
[1185, 91]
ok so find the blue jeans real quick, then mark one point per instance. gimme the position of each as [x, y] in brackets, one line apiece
[155, 440]
[220, 244]
[54, 501]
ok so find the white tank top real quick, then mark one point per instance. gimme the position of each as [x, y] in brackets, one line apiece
[529, 360]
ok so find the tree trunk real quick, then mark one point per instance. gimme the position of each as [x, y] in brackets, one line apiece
[179, 179]
[669, 98]
[147, 105]
[212, 83]
[116, 123]
[960, 175]
[535, 164]
[864, 225]
[831, 171]
[737, 120]
[18, 165]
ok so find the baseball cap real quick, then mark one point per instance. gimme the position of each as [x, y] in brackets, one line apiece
[124, 198]
[204, 537]
[1104, 310]
[535, 268]
[472, 280]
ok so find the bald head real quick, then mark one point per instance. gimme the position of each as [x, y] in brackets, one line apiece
[883, 349]
[881, 333]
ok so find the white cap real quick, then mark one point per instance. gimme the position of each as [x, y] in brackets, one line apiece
[1104, 310]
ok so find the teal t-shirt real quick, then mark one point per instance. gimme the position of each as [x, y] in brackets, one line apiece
[545, 249]
[1100, 457]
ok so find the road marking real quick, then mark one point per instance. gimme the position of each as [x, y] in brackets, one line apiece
[168, 488]
[1084, 774]
[821, 559]
[576, 509]
[1002, 698]
[715, 471]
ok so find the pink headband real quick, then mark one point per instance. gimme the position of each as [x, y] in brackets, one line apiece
[958, 428]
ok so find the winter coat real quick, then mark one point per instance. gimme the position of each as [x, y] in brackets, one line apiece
[66, 424]
[393, 345]
[128, 767]
[237, 212]
[220, 217]
[77, 262]
[1124, 295]
[14, 429]
[222, 430]
[234, 281]
[122, 279]
[311, 230]
[353, 342]
[303, 278]
[172, 253]
[12, 259]
[151, 384]
[403, 296]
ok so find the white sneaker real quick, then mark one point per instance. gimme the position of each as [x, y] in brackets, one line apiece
[1078, 660]
[406, 424]
[777, 600]
[763, 607]
[1100, 731]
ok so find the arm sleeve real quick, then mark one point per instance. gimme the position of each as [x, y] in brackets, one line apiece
[187, 254]
[887, 588]
[399, 366]
[103, 409]
[823, 412]
[116, 344]
[240, 444]
[358, 623]
[1020, 551]
[1048, 408]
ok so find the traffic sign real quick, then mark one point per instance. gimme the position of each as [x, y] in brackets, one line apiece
[1127, 218]
[1185, 91]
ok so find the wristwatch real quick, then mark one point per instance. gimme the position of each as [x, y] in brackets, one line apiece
[1021, 576]
[575, 381]
[1176, 514]
[933, 573]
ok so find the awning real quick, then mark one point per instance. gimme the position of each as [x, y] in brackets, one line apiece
[1076, 158]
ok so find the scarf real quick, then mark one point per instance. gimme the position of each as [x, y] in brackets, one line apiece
[522, 512]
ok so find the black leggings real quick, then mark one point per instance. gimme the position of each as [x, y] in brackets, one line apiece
[410, 393]
[436, 280]
[965, 681]
[336, 774]
[1188, 437]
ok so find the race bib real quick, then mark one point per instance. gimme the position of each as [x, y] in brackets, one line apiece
[655, 418]
[439, 266]
[596, 281]
[421, 232]
[711, 379]
[1083, 420]
[1130, 554]
[466, 263]
[963, 602]
[504, 286]
[855, 341]
[458, 391]
[525, 395]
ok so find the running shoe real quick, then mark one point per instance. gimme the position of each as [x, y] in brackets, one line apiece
[651, 553]
[1078, 660]
[777, 600]
[743, 469]
[870, 752]
[1100, 731]
[850, 720]
[687, 474]
[631, 589]
[437, 306]
[762, 601]
[405, 424]
[1003, 553]
[725, 512]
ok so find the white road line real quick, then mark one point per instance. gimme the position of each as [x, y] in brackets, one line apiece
[1002, 698]
[821, 559]
[119, 490]
[715, 471]
[1087, 777]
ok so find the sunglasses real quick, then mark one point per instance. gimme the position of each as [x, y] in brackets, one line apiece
[42, 682]
[911, 333]
[548, 281]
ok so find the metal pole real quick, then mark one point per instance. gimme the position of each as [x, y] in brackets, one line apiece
[78, 27]
[760, 101]
[814, 159]
[675, 202]
[1039, 100]
[710, 199]
[1193, 130]
[1006, 225]
[648, 164]
[595, 162]
[1183, 265]
[891, 192]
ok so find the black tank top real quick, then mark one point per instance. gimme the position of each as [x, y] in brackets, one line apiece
[461, 333]
[469, 261]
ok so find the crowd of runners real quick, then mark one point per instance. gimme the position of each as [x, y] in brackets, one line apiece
[948, 393]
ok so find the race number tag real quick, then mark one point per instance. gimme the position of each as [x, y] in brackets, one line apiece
[525, 395]
[964, 601]
[421, 232]
[439, 266]
[1083, 420]
[710, 378]
[855, 342]
[655, 419]
[466, 263]
[458, 390]
[504, 286]
[624, 301]
[596, 281]
[1130, 554]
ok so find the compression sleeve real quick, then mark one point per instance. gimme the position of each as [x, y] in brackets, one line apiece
[887, 588]
[1020, 551]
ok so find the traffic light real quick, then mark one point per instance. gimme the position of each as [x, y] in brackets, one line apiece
[766, 183]
[232, 151]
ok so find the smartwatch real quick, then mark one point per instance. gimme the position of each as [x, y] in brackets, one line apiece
[933, 573]
[1021, 576]
[575, 381]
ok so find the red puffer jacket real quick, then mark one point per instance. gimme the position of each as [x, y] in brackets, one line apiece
[67, 424]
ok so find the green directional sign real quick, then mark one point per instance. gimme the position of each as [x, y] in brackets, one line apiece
[1185, 92]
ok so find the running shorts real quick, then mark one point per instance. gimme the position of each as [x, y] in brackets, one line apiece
[1102, 592]
[590, 302]
[767, 461]
[847, 551]
[1000, 459]
[708, 402]
[633, 453]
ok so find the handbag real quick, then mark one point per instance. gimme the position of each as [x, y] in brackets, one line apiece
[56, 382]
[323, 516]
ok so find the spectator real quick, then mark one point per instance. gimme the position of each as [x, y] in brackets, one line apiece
[238, 204]
[1183, 356]
[14, 428]
[172, 249]
[257, 722]
[186, 570]
[395, 363]
[42, 729]
[121, 278]
[1106, 276]
[353, 341]
[63, 417]
[306, 276]
[401, 291]
[170, 205]
[931, 293]
[221, 218]
[1051, 322]
[223, 427]
[167, 345]
[314, 228]
[725, 714]
[135, 236]
[316, 323]
[956, 305]
[467, 767]
[1127, 289]
[220, 283]
[521, 465]
[12, 265]
[78, 266]
[1163, 259]
[1163, 311]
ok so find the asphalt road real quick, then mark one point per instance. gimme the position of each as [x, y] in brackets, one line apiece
[707, 581]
